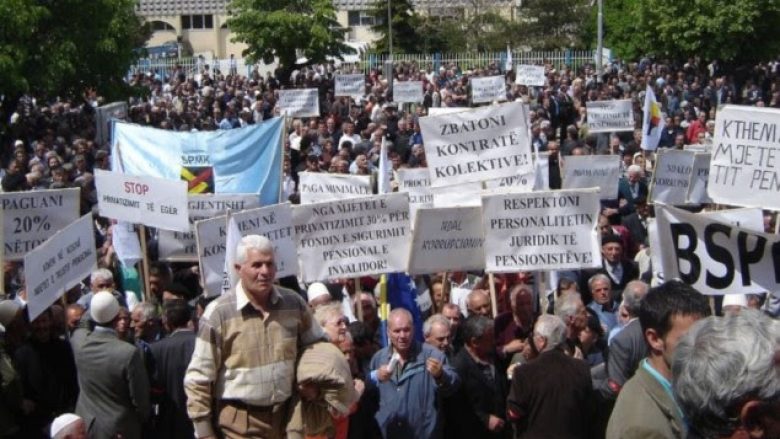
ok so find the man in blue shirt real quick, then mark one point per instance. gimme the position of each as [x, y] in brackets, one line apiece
[411, 378]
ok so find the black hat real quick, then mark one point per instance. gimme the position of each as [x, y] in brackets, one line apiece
[610, 238]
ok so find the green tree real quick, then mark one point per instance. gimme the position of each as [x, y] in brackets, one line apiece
[62, 47]
[552, 24]
[737, 31]
[288, 29]
[405, 25]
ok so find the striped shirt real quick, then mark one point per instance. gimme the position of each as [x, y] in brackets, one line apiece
[244, 354]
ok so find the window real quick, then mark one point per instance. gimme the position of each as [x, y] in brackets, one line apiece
[197, 21]
[360, 18]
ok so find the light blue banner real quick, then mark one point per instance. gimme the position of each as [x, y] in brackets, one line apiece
[242, 160]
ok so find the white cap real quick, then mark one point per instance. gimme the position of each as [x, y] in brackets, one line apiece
[103, 307]
[8, 310]
[62, 422]
[317, 289]
[735, 300]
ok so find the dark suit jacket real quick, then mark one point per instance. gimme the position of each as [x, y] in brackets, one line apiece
[635, 227]
[624, 192]
[171, 357]
[114, 396]
[626, 350]
[630, 272]
[477, 398]
[552, 397]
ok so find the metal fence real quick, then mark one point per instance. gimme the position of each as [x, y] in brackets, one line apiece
[430, 62]
[467, 61]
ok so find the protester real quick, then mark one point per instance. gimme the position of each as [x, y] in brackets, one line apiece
[171, 356]
[114, 396]
[68, 426]
[646, 405]
[218, 382]
[48, 374]
[481, 399]
[717, 401]
[551, 396]
[412, 378]
[436, 331]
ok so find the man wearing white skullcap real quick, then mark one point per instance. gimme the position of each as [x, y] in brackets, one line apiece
[68, 426]
[114, 398]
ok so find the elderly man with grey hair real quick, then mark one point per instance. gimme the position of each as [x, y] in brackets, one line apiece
[436, 331]
[100, 280]
[726, 376]
[572, 312]
[550, 386]
[240, 379]
[480, 405]
[628, 346]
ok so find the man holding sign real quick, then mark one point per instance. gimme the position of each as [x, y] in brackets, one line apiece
[248, 336]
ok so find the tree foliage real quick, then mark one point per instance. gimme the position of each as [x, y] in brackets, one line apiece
[405, 25]
[59, 47]
[288, 29]
[552, 24]
[738, 31]
[52, 48]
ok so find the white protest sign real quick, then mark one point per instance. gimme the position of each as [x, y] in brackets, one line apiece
[466, 194]
[408, 91]
[750, 218]
[353, 86]
[699, 147]
[155, 202]
[355, 237]
[542, 171]
[275, 223]
[31, 217]
[522, 183]
[487, 89]
[447, 239]
[316, 187]
[125, 242]
[182, 246]
[438, 111]
[417, 183]
[477, 145]
[610, 116]
[584, 171]
[530, 75]
[743, 169]
[672, 176]
[553, 230]
[211, 238]
[697, 190]
[299, 102]
[59, 264]
[103, 117]
[714, 256]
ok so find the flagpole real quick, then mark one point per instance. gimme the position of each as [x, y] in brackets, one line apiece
[145, 263]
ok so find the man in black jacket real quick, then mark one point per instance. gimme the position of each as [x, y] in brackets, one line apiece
[172, 356]
[551, 396]
[481, 401]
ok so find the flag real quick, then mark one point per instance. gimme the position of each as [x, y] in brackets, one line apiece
[243, 160]
[402, 293]
[653, 122]
[508, 66]
[385, 170]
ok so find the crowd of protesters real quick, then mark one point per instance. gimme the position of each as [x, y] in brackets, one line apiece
[587, 353]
